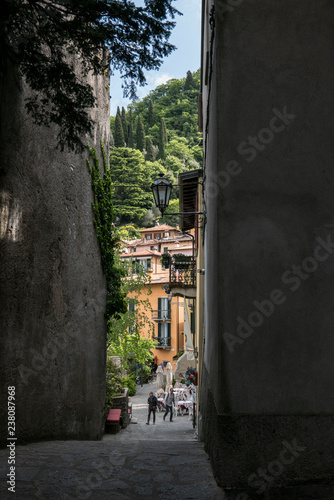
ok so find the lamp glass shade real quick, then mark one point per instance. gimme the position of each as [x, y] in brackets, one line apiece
[161, 189]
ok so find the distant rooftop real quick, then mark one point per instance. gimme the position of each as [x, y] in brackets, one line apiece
[163, 227]
[141, 253]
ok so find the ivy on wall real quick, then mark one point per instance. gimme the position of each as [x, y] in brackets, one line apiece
[106, 234]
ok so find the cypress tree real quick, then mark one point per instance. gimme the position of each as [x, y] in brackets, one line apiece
[162, 139]
[149, 150]
[125, 125]
[131, 142]
[140, 135]
[111, 140]
[150, 115]
[164, 129]
[119, 134]
[189, 81]
[118, 112]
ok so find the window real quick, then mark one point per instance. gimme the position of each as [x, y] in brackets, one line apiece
[165, 249]
[152, 248]
[135, 266]
[143, 263]
[166, 235]
[164, 308]
[158, 236]
[148, 236]
[164, 338]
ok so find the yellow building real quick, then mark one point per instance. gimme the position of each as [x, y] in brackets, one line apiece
[167, 312]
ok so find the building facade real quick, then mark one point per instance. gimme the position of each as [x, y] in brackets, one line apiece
[167, 316]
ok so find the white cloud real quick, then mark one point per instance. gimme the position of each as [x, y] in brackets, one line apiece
[159, 79]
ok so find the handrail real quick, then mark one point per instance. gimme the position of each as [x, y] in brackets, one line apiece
[161, 315]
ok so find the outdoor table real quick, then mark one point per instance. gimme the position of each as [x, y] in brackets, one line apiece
[185, 405]
[161, 405]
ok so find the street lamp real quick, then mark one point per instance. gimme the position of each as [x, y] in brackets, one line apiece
[161, 188]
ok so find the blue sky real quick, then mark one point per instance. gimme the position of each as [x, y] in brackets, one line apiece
[186, 37]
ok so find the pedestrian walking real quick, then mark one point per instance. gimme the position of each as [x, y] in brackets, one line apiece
[169, 402]
[152, 406]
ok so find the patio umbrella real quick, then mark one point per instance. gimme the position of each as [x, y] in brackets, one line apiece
[160, 378]
[182, 365]
[169, 377]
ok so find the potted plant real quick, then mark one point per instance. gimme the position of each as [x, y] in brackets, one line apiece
[165, 259]
[191, 376]
[182, 261]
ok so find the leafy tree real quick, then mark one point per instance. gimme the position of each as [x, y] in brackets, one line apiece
[131, 142]
[179, 147]
[172, 220]
[37, 36]
[151, 216]
[140, 135]
[125, 336]
[113, 382]
[174, 164]
[119, 134]
[150, 156]
[128, 233]
[176, 105]
[131, 193]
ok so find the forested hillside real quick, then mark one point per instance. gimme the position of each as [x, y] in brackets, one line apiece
[158, 133]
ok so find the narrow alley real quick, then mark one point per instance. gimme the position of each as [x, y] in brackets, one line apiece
[158, 461]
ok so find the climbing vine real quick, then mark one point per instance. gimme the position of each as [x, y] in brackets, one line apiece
[123, 325]
[106, 233]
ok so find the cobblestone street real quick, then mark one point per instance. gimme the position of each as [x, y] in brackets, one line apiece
[141, 461]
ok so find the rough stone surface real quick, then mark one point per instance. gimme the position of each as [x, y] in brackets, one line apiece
[158, 461]
[269, 271]
[52, 289]
[122, 403]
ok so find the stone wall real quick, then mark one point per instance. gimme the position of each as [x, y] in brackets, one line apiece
[52, 289]
[122, 403]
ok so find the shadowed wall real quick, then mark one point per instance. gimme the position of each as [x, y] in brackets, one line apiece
[269, 181]
[52, 290]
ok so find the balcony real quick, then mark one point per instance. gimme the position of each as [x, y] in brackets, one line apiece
[182, 275]
[161, 315]
[163, 342]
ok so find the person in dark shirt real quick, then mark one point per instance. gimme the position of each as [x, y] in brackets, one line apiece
[152, 406]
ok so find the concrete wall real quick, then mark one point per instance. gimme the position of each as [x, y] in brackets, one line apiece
[269, 347]
[52, 289]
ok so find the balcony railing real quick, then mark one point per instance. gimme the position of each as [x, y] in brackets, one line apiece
[182, 271]
[161, 315]
[163, 342]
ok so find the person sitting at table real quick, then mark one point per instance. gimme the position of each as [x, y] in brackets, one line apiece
[169, 402]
